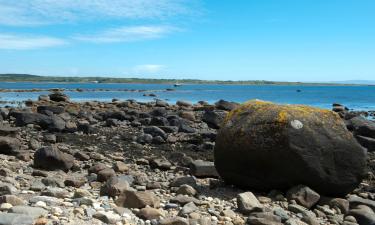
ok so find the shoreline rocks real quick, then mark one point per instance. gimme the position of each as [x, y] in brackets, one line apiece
[95, 169]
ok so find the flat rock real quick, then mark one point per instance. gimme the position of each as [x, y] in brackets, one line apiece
[203, 169]
[34, 212]
[15, 219]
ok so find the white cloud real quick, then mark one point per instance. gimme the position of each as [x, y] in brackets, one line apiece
[127, 34]
[16, 42]
[36, 12]
[148, 68]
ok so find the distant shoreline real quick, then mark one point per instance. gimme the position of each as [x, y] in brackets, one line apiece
[12, 78]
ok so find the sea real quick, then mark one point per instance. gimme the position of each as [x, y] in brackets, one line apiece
[354, 97]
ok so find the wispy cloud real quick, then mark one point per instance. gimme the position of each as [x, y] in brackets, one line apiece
[16, 42]
[36, 12]
[127, 34]
[149, 68]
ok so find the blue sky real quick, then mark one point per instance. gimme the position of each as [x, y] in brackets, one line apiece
[282, 40]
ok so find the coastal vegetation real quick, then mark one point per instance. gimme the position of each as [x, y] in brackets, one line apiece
[95, 79]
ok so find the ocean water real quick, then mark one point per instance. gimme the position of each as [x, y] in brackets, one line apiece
[354, 97]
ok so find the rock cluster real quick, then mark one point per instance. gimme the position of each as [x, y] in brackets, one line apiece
[132, 163]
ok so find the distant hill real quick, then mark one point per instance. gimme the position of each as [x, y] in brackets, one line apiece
[37, 78]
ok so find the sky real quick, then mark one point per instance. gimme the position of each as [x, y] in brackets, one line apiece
[288, 40]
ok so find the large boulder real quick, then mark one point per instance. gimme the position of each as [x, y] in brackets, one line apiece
[50, 158]
[266, 146]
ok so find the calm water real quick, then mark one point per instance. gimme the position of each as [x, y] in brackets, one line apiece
[355, 97]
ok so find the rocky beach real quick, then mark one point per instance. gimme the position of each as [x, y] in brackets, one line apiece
[129, 162]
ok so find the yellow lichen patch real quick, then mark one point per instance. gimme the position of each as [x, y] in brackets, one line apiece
[280, 113]
[282, 117]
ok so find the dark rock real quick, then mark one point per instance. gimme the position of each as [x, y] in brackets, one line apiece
[363, 214]
[158, 140]
[112, 122]
[159, 112]
[155, 131]
[362, 126]
[74, 182]
[9, 145]
[54, 109]
[25, 118]
[116, 115]
[161, 103]
[52, 123]
[213, 118]
[9, 131]
[303, 195]
[366, 142]
[266, 146]
[355, 201]
[85, 128]
[184, 103]
[177, 182]
[7, 189]
[184, 128]
[50, 138]
[169, 129]
[144, 139]
[225, 105]
[58, 97]
[159, 121]
[51, 158]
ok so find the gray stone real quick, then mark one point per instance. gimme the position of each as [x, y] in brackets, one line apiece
[15, 219]
[34, 212]
[188, 208]
[303, 195]
[200, 168]
[363, 214]
[174, 221]
[247, 203]
[139, 199]
[355, 200]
